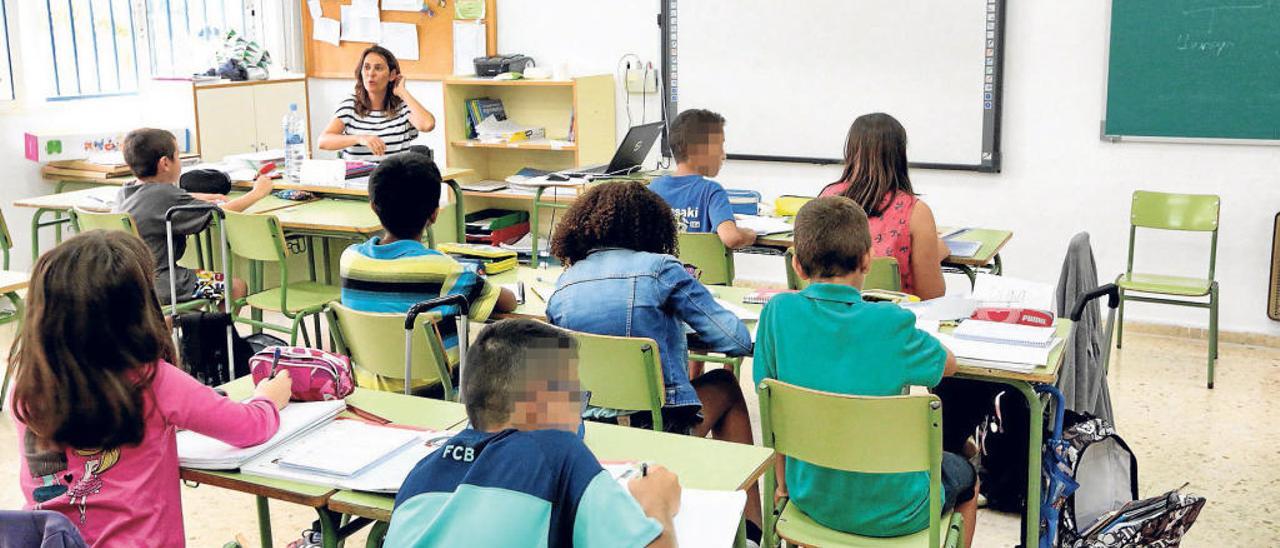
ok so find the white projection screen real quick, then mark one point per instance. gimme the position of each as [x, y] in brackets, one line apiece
[790, 77]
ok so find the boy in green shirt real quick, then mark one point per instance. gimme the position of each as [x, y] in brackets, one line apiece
[827, 338]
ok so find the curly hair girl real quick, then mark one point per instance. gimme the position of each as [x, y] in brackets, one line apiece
[616, 214]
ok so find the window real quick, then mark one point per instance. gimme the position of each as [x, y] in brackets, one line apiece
[7, 90]
[185, 35]
[93, 47]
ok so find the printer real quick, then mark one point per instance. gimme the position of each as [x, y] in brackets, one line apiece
[498, 64]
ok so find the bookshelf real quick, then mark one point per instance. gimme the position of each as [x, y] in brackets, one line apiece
[587, 100]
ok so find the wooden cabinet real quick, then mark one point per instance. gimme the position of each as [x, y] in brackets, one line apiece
[240, 117]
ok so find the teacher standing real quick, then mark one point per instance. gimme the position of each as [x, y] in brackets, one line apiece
[381, 117]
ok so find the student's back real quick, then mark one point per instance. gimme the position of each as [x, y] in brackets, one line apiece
[545, 482]
[902, 226]
[827, 338]
[97, 404]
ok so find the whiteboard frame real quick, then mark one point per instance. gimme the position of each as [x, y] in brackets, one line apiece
[1126, 138]
[989, 161]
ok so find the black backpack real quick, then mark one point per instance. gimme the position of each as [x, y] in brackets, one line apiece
[202, 343]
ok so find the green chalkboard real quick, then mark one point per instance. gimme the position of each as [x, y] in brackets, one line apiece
[1194, 69]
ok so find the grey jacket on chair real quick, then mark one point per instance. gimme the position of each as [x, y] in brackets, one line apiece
[1083, 378]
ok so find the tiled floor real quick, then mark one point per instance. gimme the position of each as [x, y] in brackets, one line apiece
[1219, 441]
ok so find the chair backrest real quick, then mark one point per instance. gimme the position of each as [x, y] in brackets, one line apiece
[622, 373]
[1166, 211]
[96, 220]
[879, 435]
[257, 237]
[884, 274]
[706, 251]
[6, 241]
[1191, 212]
[375, 343]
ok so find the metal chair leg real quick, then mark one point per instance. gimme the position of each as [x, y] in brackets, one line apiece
[1213, 330]
[1120, 321]
[264, 522]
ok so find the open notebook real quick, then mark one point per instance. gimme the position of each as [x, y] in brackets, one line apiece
[706, 518]
[201, 451]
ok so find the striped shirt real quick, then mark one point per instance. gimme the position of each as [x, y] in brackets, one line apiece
[394, 129]
[392, 277]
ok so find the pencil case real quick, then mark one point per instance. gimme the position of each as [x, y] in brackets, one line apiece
[317, 375]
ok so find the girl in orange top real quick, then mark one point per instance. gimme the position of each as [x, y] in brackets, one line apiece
[902, 225]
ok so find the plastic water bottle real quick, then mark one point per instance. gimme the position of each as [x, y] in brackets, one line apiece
[295, 148]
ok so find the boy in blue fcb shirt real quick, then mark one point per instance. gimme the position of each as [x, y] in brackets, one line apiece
[700, 204]
[827, 338]
[521, 475]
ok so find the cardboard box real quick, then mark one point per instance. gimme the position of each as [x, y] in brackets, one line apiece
[48, 146]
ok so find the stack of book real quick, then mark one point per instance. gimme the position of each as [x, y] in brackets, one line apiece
[487, 259]
[487, 122]
[479, 109]
[496, 226]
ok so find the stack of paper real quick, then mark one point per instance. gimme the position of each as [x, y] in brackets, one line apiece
[764, 225]
[742, 313]
[384, 476]
[1005, 333]
[945, 308]
[201, 451]
[1011, 357]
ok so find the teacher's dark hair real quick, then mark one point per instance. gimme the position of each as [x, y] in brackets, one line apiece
[390, 103]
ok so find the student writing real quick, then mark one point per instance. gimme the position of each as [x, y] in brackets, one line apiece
[98, 402]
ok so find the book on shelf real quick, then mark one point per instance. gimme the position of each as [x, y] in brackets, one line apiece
[481, 108]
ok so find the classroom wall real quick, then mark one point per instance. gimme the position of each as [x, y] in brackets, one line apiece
[1058, 177]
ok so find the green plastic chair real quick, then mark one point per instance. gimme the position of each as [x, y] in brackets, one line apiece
[709, 254]
[1182, 212]
[884, 274]
[876, 435]
[623, 373]
[259, 239]
[84, 220]
[375, 343]
[8, 316]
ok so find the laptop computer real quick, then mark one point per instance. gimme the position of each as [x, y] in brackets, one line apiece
[630, 154]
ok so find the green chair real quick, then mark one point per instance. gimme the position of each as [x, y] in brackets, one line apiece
[1182, 212]
[84, 220]
[623, 373]
[884, 274]
[709, 254]
[260, 240]
[8, 316]
[375, 343]
[875, 435]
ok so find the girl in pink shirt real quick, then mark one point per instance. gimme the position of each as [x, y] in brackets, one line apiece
[902, 226]
[97, 403]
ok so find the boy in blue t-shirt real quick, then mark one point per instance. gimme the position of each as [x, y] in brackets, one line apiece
[827, 338]
[521, 475]
[700, 204]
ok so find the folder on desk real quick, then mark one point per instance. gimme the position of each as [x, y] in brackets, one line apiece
[384, 475]
[963, 248]
[200, 451]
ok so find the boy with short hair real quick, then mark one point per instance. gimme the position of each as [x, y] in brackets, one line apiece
[395, 271]
[520, 471]
[152, 155]
[700, 204]
[827, 338]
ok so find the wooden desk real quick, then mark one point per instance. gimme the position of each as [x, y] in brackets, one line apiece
[11, 281]
[331, 217]
[421, 412]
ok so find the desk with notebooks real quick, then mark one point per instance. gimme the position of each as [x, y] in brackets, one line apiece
[283, 468]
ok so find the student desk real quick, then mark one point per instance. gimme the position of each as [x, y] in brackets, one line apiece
[700, 463]
[1025, 384]
[410, 410]
[992, 240]
[101, 199]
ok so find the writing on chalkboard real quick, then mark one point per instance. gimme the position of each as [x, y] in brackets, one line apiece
[1214, 47]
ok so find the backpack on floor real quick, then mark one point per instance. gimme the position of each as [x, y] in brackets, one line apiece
[1101, 508]
[202, 343]
[1002, 438]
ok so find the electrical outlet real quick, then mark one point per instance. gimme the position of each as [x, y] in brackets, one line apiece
[637, 82]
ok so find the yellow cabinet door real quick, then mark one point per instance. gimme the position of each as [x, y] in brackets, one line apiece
[271, 103]
[224, 118]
